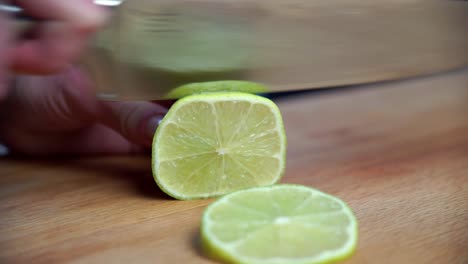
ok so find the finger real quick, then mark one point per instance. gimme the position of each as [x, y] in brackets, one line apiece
[81, 15]
[60, 39]
[93, 140]
[137, 121]
[66, 103]
[63, 102]
[4, 45]
[58, 115]
[55, 47]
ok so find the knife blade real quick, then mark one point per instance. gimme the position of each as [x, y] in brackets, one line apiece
[151, 47]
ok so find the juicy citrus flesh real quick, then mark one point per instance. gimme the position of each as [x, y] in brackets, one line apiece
[279, 224]
[216, 86]
[212, 144]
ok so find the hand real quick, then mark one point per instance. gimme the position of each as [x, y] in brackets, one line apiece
[58, 113]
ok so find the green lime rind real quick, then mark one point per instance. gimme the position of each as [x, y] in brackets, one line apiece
[220, 251]
[216, 86]
[216, 97]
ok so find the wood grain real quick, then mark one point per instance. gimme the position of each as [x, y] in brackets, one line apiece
[397, 153]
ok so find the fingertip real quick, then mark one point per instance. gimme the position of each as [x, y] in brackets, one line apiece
[149, 127]
[82, 15]
[90, 19]
[137, 121]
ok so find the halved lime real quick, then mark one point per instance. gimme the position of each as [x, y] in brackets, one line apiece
[212, 144]
[279, 224]
[216, 86]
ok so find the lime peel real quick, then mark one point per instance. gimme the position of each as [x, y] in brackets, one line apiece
[216, 86]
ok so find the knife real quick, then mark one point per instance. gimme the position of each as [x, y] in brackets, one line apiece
[150, 47]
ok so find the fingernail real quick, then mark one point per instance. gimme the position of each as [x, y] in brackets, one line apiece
[4, 151]
[151, 126]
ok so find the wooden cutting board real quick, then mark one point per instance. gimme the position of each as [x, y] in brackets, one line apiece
[397, 153]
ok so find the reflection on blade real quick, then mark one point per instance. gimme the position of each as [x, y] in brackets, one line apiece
[109, 3]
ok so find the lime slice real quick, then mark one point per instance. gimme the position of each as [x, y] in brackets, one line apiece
[216, 86]
[212, 144]
[279, 224]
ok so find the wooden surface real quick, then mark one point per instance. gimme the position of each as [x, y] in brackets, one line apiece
[397, 153]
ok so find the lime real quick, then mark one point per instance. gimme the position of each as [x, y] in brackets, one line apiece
[212, 144]
[282, 223]
[216, 86]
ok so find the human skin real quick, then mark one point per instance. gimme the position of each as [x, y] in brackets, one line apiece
[48, 105]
